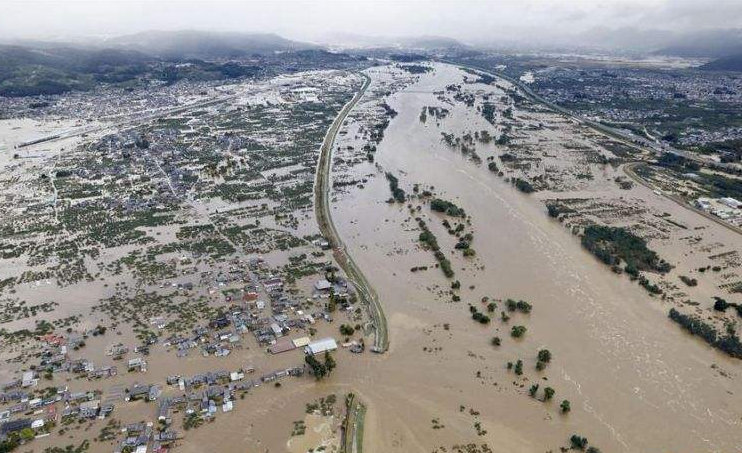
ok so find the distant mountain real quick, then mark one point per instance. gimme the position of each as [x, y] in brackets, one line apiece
[206, 45]
[48, 68]
[65, 58]
[731, 63]
[623, 38]
[52, 70]
[430, 42]
[352, 40]
[705, 44]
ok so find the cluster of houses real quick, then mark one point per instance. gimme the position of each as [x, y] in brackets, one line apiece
[200, 395]
[725, 208]
[139, 437]
[226, 332]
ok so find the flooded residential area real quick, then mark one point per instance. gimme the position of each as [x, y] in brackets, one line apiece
[217, 241]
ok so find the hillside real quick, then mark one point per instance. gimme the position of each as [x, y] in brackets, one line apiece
[205, 45]
[31, 71]
[705, 44]
[731, 63]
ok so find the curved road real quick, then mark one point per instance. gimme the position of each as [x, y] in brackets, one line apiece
[327, 228]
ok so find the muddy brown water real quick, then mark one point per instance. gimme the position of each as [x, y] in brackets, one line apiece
[636, 382]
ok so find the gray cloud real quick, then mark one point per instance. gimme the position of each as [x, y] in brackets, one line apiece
[467, 20]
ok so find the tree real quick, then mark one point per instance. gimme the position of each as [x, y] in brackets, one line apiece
[720, 304]
[495, 341]
[519, 367]
[578, 442]
[565, 406]
[8, 445]
[532, 391]
[332, 303]
[548, 393]
[329, 362]
[518, 331]
[543, 357]
[319, 370]
[27, 434]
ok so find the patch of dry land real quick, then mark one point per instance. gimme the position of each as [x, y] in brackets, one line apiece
[526, 280]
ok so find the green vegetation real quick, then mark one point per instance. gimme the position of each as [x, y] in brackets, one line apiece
[565, 406]
[446, 207]
[577, 442]
[478, 316]
[398, 194]
[613, 245]
[548, 393]
[555, 210]
[518, 331]
[521, 306]
[415, 68]
[429, 239]
[728, 343]
[523, 185]
[543, 358]
[319, 369]
[488, 112]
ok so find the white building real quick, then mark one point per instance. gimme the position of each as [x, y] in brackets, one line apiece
[323, 285]
[731, 202]
[320, 346]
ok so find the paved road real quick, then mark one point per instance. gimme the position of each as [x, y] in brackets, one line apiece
[324, 219]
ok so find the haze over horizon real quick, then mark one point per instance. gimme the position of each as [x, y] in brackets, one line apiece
[470, 21]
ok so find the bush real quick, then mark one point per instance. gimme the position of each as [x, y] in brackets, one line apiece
[517, 331]
[720, 304]
[524, 186]
[548, 393]
[397, 193]
[578, 442]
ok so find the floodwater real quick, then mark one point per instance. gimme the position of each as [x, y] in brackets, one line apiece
[635, 381]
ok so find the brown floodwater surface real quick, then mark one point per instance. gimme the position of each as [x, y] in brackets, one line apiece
[636, 382]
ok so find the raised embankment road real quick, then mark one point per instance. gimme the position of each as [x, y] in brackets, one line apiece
[322, 186]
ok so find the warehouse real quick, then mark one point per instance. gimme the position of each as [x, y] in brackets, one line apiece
[320, 346]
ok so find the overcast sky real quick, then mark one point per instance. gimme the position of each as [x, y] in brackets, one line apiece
[467, 20]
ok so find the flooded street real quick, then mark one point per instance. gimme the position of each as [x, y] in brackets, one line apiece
[636, 382]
